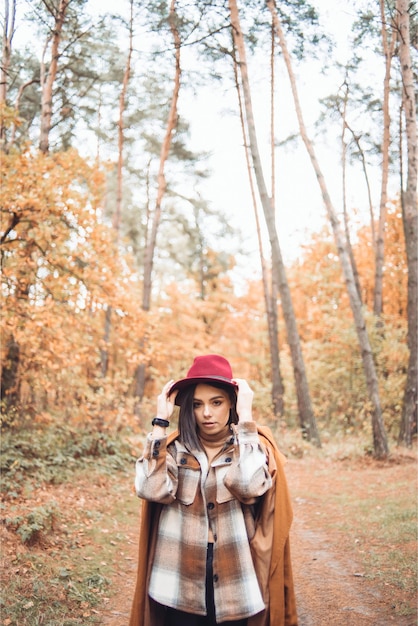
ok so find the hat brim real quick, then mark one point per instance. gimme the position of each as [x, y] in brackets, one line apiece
[182, 384]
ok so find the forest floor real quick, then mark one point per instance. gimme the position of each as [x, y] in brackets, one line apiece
[354, 549]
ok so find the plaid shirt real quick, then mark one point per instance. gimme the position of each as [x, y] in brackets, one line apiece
[198, 497]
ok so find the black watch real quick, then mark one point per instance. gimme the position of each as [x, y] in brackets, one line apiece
[158, 421]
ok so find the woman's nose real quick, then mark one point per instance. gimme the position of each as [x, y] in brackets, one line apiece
[206, 411]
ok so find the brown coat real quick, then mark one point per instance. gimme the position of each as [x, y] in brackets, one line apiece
[270, 549]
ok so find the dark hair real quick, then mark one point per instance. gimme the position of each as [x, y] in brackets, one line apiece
[187, 421]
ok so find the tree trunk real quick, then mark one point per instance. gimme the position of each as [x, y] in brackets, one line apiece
[379, 434]
[10, 379]
[345, 210]
[8, 32]
[119, 193]
[20, 92]
[48, 77]
[306, 416]
[366, 177]
[122, 100]
[278, 385]
[277, 391]
[10, 375]
[270, 297]
[388, 50]
[410, 222]
[104, 351]
[139, 384]
[165, 149]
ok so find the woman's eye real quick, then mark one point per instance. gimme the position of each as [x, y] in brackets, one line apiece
[196, 405]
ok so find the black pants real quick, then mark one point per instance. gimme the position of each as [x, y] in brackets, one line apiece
[179, 618]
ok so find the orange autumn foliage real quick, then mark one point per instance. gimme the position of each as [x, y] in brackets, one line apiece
[317, 284]
[326, 325]
[395, 266]
[62, 271]
[59, 268]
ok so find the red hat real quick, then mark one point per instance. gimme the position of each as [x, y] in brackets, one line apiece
[206, 369]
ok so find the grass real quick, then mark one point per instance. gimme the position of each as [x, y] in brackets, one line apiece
[41, 590]
[389, 544]
[44, 591]
[384, 523]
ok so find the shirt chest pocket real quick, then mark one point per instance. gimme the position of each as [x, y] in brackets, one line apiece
[222, 493]
[188, 478]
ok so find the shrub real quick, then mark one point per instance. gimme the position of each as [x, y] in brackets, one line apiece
[34, 526]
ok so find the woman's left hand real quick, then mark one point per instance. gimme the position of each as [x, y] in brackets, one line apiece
[244, 400]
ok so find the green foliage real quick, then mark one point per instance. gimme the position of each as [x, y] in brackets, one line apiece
[88, 64]
[34, 525]
[50, 455]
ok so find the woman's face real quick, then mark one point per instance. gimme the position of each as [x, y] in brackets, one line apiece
[211, 407]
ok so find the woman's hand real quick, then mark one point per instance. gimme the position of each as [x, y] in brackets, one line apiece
[244, 400]
[165, 402]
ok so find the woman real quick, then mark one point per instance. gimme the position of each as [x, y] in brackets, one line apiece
[214, 545]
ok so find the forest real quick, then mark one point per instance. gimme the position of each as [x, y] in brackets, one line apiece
[117, 271]
[225, 177]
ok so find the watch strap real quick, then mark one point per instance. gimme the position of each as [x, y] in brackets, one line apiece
[158, 421]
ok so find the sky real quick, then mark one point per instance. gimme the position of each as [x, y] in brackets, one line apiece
[299, 206]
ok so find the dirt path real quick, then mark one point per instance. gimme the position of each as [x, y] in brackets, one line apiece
[330, 585]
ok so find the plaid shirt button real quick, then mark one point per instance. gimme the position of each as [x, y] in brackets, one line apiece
[228, 459]
[211, 506]
[215, 578]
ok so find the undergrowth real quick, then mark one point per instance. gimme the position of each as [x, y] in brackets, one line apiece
[58, 538]
[51, 455]
[34, 524]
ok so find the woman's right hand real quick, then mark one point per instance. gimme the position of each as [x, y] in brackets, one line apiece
[165, 402]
